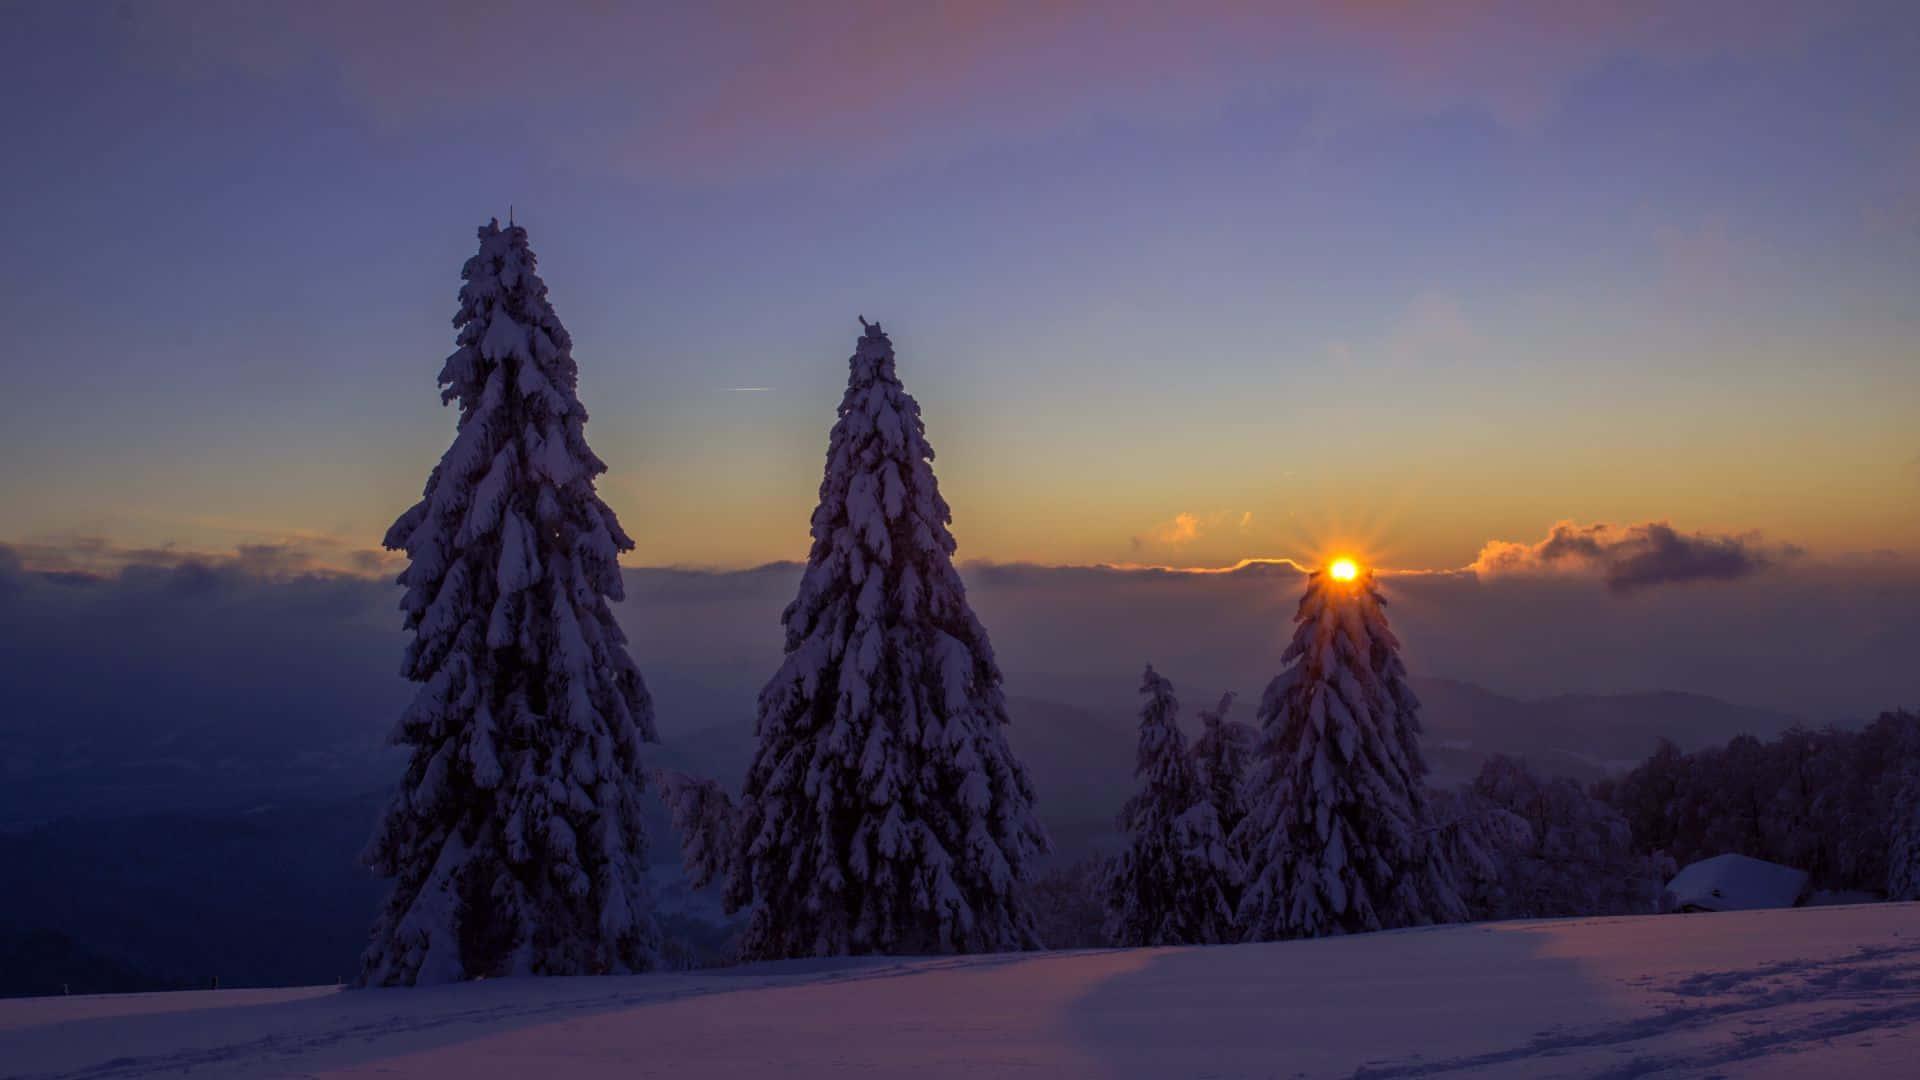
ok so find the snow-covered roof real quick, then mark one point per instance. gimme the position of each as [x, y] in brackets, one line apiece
[1736, 883]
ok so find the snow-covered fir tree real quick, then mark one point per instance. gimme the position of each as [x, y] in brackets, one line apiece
[1339, 837]
[1069, 903]
[1170, 885]
[703, 817]
[515, 840]
[1222, 753]
[1903, 799]
[1478, 840]
[883, 811]
[1524, 846]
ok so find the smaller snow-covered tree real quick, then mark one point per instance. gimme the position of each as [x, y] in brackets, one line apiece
[1527, 846]
[703, 816]
[1169, 887]
[1478, 840]
[1650, 797]
[1875, 802]
[1903, 830]
[1069, 904]
[1339, 836]
[1222, 753]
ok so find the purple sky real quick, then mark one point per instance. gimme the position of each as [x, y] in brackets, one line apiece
[1245, 280]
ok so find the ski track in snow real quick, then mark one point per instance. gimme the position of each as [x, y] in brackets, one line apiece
[1887, 976]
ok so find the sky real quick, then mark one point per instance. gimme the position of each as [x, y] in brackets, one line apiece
[1508, 286]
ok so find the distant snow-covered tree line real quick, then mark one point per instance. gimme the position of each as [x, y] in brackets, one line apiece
[1842, 805]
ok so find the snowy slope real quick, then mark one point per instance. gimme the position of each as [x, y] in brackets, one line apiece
[1802, 992]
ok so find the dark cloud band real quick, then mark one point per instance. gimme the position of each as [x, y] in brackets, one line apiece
[1630, 557]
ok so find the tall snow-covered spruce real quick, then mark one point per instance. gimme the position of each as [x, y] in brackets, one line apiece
[515, 840]
[1339, 837]
[1171, 884]
[883, 811]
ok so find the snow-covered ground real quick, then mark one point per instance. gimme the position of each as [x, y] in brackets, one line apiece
[1823, 992]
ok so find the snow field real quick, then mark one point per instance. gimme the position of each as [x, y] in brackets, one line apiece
[1828, 992]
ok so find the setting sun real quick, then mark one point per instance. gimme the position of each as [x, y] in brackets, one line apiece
[1344, 570]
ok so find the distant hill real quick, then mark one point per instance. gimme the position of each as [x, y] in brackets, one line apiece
[1585, 736]
[83, 758]
[40, 963]
[257, 898]
[1081, 763]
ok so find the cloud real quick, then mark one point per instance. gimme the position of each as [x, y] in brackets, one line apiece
[709, 87]
[1185, 528]
[75, 557]
[1631, 557]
